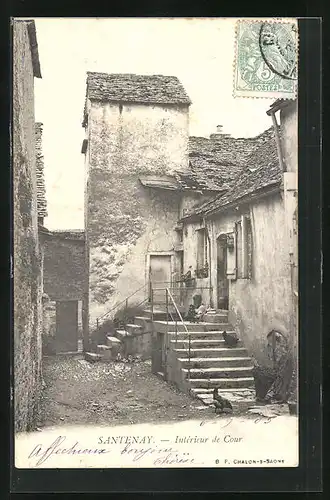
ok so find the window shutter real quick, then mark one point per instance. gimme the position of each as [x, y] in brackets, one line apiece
[231, 256]
[249, 249]
[238, 248]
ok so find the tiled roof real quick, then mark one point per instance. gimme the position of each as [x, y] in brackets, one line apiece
[260, 170]
[64, 234]
[41, 189]
[216, 162]
[69, 234]
[162, 182]
[151, 89]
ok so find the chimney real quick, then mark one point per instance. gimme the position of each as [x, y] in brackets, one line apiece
[219, 135]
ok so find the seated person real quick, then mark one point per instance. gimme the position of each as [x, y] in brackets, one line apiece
[194, 315]
[201, 311]
[191, 316]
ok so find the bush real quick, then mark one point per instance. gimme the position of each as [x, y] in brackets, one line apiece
[118, 322]
[263, 379]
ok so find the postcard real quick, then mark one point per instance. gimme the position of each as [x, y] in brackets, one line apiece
[155, 206]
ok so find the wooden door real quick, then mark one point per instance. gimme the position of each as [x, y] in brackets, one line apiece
[160, 276]
[222, 280]
[67, 326]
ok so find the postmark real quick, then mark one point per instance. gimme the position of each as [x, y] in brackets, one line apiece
[266, 59]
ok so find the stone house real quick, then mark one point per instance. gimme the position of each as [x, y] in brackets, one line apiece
[142, 172]
[251, 243]
[27, 279]
[136, 138]
[159, 203]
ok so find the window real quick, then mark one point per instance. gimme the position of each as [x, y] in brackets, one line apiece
[201, 241]
[244, 248]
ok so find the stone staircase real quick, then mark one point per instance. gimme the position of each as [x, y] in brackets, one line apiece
[212, 362]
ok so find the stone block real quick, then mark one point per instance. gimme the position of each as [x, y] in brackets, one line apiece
[106, 352]
[92, 357]
[115, 345]
[113, 341]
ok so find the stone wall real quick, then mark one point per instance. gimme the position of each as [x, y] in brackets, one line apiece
[262, 303]
[289, 128]
[64, 265]
[27, 256]
[126, 221]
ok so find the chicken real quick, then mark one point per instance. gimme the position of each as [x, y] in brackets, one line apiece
[230, 339]
[220, 403]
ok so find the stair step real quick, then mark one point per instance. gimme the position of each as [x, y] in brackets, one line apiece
[211, 317]
[122, 334]
[92, 357]
[163, 326]
[208, 401]
[205, 343]
[239, 382]
[202, 333]
[217, 362]
[244, 392]
[132, 328]
[235, 371]
[209, 352]
[142, 318]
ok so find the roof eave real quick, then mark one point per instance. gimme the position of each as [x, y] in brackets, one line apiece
[190, 218]
[262, 192]
[139, 101]
[277, 105]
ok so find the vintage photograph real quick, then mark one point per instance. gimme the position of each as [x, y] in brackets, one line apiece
[155, 242]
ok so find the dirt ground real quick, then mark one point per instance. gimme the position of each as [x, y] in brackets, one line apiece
[118, 393]
[79, 392]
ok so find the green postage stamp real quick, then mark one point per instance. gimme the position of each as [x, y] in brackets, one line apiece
[266, 59]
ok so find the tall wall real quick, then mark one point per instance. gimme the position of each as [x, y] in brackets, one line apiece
[289, 127]
[262, 303]
[124, 220]
[27, 257]
[64, 266]
[289, 132]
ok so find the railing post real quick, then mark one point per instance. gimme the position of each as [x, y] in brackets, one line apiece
[189, 356]
[149, 290]
[97, 323]
[166, 337]
[152, 303]
[166, 302]
[176, 331]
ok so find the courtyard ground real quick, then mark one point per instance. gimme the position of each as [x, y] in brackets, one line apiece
[116, 393]
[79, 392]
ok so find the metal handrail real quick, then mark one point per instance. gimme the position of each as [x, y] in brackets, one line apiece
[120, 303]
[168, 293]
[178, 288]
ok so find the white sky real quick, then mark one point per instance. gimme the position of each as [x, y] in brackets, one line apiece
[200, 52]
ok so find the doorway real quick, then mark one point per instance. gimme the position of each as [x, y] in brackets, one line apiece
[66, 326]
[222, 280]
[160, 275]
[178, 286]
